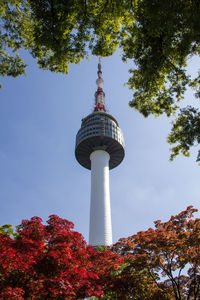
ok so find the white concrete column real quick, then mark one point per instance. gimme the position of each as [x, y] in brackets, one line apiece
[100, 232]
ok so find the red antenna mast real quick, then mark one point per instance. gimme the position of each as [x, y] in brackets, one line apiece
[99, 94]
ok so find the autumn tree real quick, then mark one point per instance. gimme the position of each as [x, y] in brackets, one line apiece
[161, 263]
[51, 262]
[158, 36]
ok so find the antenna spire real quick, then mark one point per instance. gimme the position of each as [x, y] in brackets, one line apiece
[99, 94]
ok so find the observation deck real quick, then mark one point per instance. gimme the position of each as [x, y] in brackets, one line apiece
[99, 131]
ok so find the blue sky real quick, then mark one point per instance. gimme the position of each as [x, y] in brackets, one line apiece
[40, 115]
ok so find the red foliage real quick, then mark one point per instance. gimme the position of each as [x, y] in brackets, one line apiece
[165, 259]
[52, 262]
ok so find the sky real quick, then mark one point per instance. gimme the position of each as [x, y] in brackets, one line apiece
[40, 115]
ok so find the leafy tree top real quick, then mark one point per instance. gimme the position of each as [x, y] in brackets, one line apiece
[52, 262]
[159, 36]
[165, 260]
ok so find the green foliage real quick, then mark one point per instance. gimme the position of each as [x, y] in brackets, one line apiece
[160, 41]
[57, 32]
[7, 229]
[185, 131]
[159, 36]
[64, 31]
[12, 37]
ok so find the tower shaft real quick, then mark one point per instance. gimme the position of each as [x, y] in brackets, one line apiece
[100, 232]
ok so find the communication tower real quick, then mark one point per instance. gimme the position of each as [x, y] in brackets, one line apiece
[99, 148]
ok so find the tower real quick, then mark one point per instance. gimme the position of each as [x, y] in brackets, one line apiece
[99, 147]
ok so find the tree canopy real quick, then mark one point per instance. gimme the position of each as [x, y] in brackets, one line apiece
[159, 36]
[161, 263]
[51, 262]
